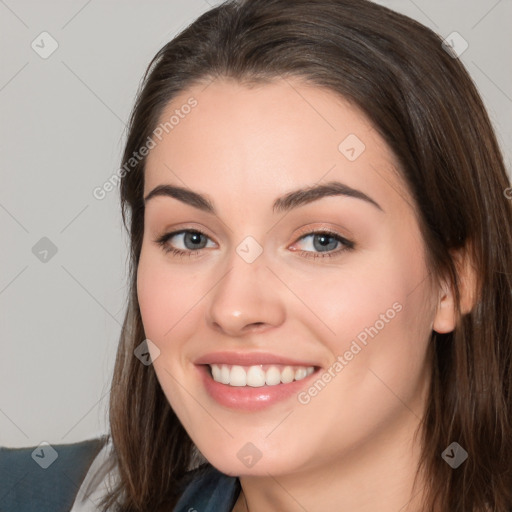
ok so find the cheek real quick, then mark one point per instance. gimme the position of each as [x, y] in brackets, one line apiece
[343, 302]
[383, 303]
[165, 296]
[166, 301]
[152, 293]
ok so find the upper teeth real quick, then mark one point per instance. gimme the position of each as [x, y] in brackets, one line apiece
[257, 376]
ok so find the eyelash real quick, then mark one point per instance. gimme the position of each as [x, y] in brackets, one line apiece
[348, 245]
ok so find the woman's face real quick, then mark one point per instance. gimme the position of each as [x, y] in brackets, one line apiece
[302, 254]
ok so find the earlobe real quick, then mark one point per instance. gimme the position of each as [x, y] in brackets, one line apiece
[445, 318]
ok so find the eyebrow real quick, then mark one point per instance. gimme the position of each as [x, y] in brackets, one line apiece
[287, 202]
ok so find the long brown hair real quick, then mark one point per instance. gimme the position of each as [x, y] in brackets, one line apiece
[425, 106]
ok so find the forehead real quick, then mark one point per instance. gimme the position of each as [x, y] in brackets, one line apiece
[267, 139]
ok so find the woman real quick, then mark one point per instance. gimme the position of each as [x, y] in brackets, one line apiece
[321, 257]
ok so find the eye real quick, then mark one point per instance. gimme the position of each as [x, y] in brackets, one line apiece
[184, 242]
[313, 245]
[322, 244]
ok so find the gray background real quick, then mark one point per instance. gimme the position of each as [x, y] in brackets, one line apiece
[61, 134]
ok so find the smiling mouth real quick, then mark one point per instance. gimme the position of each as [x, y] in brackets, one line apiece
[258, 375]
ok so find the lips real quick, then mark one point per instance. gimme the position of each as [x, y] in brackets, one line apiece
[252, 381]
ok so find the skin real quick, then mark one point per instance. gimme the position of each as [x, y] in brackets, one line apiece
[351, 447]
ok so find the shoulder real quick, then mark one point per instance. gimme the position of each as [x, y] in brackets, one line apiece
[206, 489]
[203, 489]
[44, 477]
[74, 477]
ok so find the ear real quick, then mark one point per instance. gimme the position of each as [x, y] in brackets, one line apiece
[446, 315]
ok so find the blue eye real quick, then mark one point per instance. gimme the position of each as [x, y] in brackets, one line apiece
[185, 241]
[323, 244]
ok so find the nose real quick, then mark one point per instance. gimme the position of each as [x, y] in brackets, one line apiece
[246, 300]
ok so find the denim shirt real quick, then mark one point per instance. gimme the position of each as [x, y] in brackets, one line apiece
[203, 489]
[209, 490]
[81, 475]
